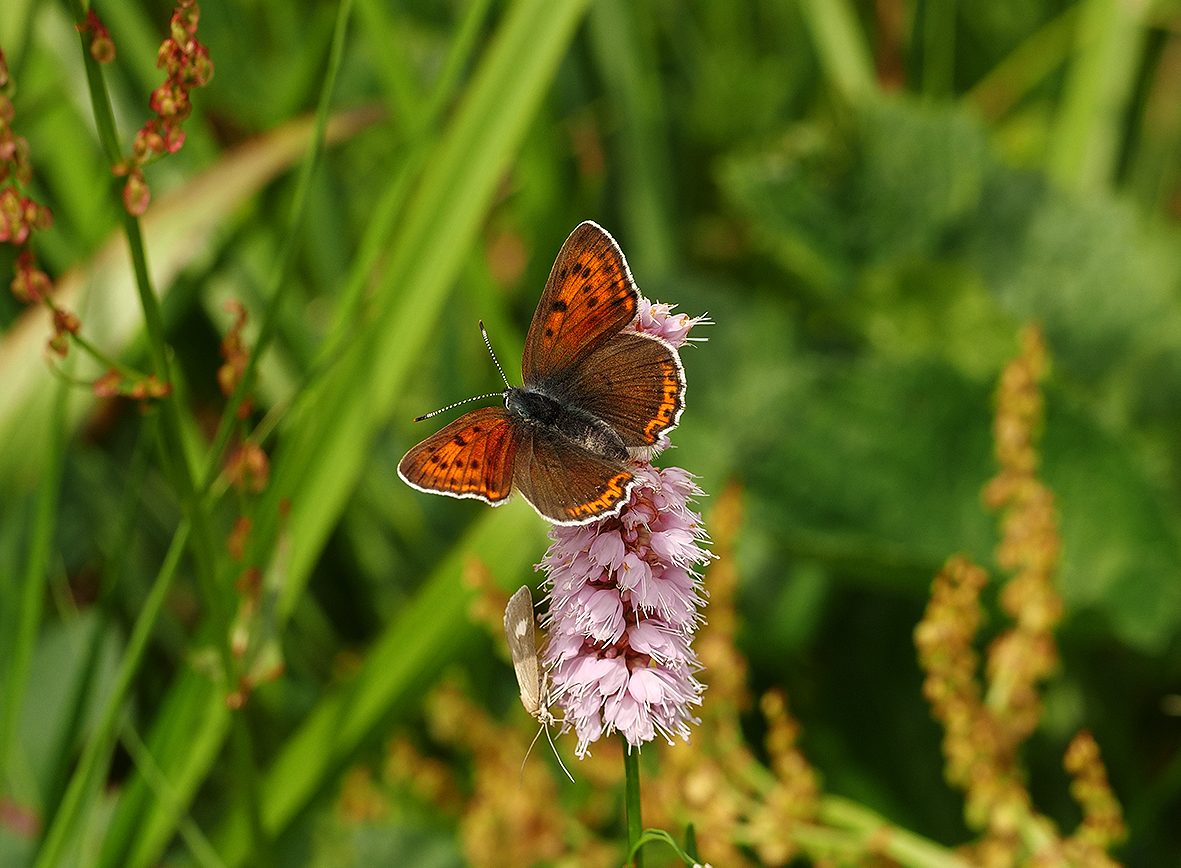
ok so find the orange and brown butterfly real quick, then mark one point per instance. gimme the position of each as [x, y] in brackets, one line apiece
[596, 393]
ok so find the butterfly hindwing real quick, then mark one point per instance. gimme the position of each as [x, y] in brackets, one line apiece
[589, 297]
[566, 483]
[634, 383]
[471, 457]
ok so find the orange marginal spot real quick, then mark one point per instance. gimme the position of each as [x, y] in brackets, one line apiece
[667, 409]
[611, 495]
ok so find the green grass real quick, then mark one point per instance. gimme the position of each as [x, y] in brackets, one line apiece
[354, 174]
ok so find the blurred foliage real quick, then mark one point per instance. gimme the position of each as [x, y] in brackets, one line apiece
[870, 200]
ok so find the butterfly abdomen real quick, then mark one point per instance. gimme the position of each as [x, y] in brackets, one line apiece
[568, 422]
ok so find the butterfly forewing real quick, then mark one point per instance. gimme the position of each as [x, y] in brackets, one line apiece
[589, 297]
[634, 383]
[522, 645]
[566, 483]
[471, 457]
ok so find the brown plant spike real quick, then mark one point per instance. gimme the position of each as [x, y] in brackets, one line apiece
[186, 63]
[1103, 819]
[21, 217]
[1030, 545]
[985, 725]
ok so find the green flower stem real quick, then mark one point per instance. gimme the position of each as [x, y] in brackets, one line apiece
[938, 22]
[244, 754]
[199, 847]
[1027, 67]
[118, 555]
[631, 801]
[96, 353]
[104, 115]
[1083, 151]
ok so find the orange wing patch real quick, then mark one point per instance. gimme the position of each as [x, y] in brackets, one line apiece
[670, 402]
[613, 492]
[471, 457]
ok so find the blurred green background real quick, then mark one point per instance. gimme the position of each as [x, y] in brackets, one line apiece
[869, 198]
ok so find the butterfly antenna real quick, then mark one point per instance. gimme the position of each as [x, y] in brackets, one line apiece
[495, 360]
[457, 403]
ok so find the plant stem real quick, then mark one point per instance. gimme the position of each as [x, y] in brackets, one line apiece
[1013, 79]
[1088, 133]
[938, 23]
[118, 557]
[631, 801]
[174, 452]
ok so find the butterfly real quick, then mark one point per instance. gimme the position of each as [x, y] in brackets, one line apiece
[596, 393]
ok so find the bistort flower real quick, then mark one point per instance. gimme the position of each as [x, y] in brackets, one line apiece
[625, 600]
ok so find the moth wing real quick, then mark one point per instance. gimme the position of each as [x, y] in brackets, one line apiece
[522, 643]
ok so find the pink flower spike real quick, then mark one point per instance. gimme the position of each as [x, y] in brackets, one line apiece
[625, 599]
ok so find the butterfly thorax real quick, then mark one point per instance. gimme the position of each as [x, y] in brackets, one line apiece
[566, 421]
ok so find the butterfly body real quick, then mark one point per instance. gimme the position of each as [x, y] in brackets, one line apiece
[595, 391]
[551, 418]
